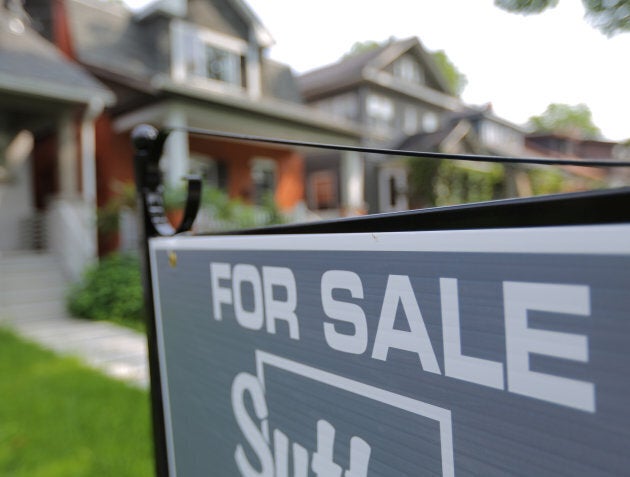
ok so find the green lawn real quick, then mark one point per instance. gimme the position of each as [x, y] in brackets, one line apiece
[61, 419]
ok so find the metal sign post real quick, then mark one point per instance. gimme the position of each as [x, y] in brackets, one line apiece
[148, 144]
[472, 340]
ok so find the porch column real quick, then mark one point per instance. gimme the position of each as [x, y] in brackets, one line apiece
[88, 172]
[176, 149]
[352, 183]
[67, 153]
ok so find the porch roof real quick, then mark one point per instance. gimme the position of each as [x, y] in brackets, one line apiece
[31, 66]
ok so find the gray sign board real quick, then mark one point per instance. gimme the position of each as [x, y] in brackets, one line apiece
[479, 352]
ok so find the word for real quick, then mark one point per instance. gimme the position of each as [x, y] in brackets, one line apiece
[266, 307]
[276, 463]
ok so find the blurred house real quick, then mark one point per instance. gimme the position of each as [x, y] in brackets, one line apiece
[191, 64]
[562, 145]
[400, 99]
[48, 108]
[393, 92]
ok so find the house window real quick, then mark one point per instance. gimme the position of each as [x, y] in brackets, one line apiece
[410, 120]
[380, 111]
[199, 53]
[205, 167]
[407, 69]
[344, 105]
[222, 65]
[430, 122]
[322, 190]
[264, 173]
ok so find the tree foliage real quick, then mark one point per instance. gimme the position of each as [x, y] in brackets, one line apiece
[441, 183]
[455, 79]
[359, 47]
[525, 7]
[566, 119]
[608, 16]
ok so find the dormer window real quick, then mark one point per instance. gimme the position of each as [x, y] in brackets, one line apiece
[201, 54]
[409, 70]
[222, 65]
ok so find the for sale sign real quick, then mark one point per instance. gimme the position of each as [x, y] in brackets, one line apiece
[479, 352]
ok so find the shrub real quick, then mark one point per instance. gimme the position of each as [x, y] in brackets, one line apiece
[110, 290]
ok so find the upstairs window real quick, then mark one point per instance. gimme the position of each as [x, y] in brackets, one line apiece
[410, 120]
[380, 111]
[201, 54]
[343, 105]
[222, 65]
[409, 70]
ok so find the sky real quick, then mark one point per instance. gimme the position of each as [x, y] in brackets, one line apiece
[519, 64]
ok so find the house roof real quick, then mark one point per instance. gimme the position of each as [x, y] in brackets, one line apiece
[178, 8]
[105, 35]
[448, 135]
[109, 38]
[477, 113]
[362, 67]
[32, 66]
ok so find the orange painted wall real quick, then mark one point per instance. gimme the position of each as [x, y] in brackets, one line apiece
[290, 185]
[237, 158]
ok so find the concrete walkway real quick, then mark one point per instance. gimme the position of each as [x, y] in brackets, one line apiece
[32, 303]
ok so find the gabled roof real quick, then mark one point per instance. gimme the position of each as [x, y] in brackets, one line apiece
[478, 113]
[178, 8]
[455, 132]
[105, 35]
[32, 66]
[354, 69]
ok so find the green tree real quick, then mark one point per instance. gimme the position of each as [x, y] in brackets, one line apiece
[455, 79]
[359, 47]
[566, 119]
[608, 16]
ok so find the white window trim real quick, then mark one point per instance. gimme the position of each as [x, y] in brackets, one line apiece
[179, 29]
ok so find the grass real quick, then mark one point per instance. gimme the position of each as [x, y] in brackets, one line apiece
[61, 419]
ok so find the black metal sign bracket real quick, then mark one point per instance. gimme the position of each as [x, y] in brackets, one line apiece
[149, 144]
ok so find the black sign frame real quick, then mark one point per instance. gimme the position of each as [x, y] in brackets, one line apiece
[610, 206]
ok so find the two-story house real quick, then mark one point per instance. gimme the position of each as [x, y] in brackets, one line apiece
[392, 92]
[193, 64]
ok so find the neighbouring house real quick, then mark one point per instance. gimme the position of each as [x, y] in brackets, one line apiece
[393, 92]
[478, 130]
[586, 148]
[576, 147]
[195, 64]
[48, 108]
